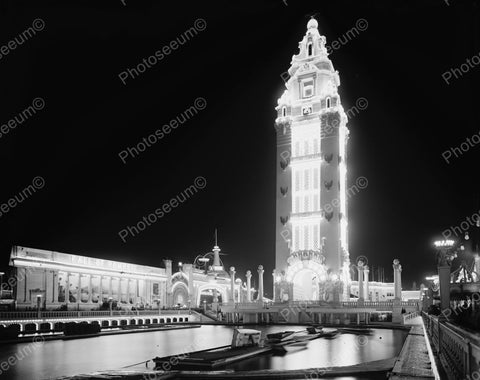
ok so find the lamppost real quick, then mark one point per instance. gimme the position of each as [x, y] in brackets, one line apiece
[446, 252]
[110, 305]
[39, 302]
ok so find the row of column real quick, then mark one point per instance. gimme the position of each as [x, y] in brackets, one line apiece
[363, 283]
[249, 285]
[110, 289]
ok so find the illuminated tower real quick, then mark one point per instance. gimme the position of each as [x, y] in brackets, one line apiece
[311, 220]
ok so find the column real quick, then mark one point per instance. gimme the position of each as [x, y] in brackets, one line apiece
[67, 288]
[397, 279]
[110, 287]
[119, 293]
[249, 286]
[274, 275]
[260, 284]
[90, 289]
[168, 272]
[54, 286]
[25, 282]
[397, 282]
[128, 290]
[79, 289]
[232, 284]
[238, 283]
[366, 271]
[136, 291]
[360, 282]
[444, 282]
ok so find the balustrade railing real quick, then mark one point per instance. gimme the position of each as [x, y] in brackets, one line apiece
[312, 304]
[458, 349]
[18, 315]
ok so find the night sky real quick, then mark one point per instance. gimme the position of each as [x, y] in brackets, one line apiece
[90, 116]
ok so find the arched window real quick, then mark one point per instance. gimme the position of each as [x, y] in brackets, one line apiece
[310, 49]
[284, 111]
[328, 102]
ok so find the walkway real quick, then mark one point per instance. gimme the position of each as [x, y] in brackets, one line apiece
[415, 359]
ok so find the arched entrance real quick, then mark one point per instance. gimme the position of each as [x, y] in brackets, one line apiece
[180, 294]
[305, 285]
[306, 272]
[207, 293]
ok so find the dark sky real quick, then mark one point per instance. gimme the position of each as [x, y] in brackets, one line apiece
[235, 64]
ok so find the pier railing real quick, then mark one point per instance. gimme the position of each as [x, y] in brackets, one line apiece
[458, 349]
[17, 315]
[314, 304]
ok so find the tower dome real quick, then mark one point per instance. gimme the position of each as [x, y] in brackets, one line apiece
[312, 24]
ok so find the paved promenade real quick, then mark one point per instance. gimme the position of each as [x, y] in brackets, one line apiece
[414, 361]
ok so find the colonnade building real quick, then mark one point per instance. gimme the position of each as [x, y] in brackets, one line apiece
[60, 280]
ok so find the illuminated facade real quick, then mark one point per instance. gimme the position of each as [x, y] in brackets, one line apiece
[61, 280]
[312, 259]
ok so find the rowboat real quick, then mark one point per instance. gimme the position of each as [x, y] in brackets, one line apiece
[329, 333]
[356, 331]
[314, 329]
[280, 336]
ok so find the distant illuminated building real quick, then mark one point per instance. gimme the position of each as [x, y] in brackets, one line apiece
[62, 280]
[312, 259]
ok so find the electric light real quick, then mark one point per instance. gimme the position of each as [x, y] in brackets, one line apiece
[334, 277]
[444, 243]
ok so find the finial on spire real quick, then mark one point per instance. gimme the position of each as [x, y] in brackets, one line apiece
[216, 240]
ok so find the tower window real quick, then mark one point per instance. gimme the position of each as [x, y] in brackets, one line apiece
[328, 102]
[296, 238]
[307, 88]
[284, 111]
[310, 49]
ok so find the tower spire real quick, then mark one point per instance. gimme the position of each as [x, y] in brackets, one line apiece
[216, 253]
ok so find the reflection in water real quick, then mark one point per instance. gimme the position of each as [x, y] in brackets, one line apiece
[70, 357]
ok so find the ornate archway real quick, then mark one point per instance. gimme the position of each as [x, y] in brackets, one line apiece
[203, 291]
[306, 272]
[180, 294]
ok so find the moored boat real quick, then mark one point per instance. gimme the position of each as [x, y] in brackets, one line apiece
[314, 329]
[245, 344]
[280, 336]
[356, 331]
[329, 333]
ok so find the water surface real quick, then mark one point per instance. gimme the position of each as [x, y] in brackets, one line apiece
[70, 357]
